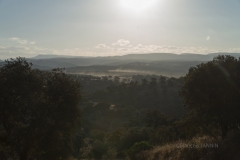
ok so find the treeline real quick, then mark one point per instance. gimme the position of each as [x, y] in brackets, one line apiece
[151, 92]
[122, 117]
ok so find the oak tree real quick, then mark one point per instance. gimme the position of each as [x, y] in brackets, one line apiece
[211, 93]
[39, 111]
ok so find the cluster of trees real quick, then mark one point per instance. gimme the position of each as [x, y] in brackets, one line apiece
[211, 94]
[40, 111]
[121, 129]
[161, 94]
[91, 83]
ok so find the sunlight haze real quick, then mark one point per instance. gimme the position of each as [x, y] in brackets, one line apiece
[119, 27]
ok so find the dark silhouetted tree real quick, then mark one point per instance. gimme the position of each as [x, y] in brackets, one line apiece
[39, 111]
[155, 119]
[211, 92]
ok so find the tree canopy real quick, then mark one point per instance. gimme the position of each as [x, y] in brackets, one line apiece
[211, 93]
[39, 112]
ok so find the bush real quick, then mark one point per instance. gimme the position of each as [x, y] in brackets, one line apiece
[99, 148]
[110, 155]
[137, 148]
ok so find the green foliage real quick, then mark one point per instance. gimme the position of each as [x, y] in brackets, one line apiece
[211, 93]
[134, 135]
[99, 148]
[78, 142]
[110, 155]
[98, 135]
[163, 135]
[149, 108]
[39, 111]
[146, 95]
[137, 148]
[155, 119]
[116, 79]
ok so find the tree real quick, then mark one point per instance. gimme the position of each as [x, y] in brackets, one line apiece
[155, 119]
[39, 111]
[110, 155]
[162, 80]
[116, 79]
[137, 148]
[211, 93]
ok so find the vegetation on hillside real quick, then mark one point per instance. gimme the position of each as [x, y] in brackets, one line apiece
[39, 112]
[143, 117]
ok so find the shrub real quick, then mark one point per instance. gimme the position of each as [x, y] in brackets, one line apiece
[138, 147]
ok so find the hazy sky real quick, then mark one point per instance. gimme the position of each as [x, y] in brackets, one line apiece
[117, 27]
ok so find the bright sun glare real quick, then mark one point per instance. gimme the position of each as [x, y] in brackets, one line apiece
[138, 5]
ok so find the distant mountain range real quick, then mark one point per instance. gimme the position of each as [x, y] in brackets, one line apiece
[153, 63]
[54, 61]
[150, 56]
[48, 56]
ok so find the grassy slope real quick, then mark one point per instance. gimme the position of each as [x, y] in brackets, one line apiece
[224, 150]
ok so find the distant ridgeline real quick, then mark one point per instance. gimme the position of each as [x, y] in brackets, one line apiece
[167, 64]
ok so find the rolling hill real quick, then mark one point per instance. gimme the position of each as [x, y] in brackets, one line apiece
[152, 63]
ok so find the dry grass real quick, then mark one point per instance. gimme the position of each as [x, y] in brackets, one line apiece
[194, 149]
